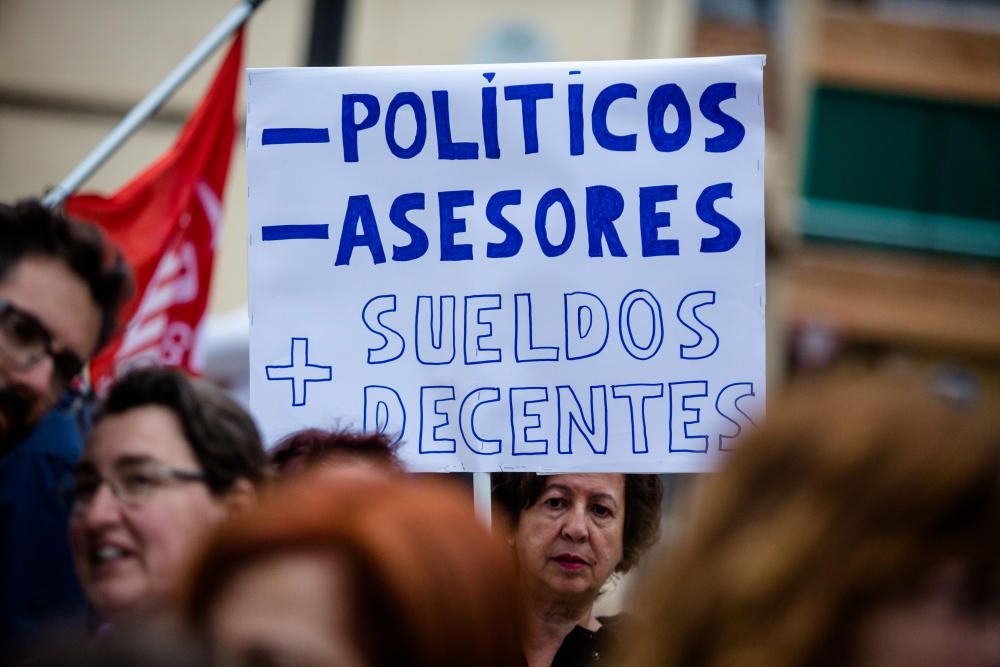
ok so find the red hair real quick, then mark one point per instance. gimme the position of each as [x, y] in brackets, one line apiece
[305, 449]
[430, 585]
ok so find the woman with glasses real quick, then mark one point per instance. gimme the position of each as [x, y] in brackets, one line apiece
[169, 458]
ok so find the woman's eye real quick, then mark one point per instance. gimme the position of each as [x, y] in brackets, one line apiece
[602, 511]
[85, 489]
[22, 331]
[555, 503]
[138, 481]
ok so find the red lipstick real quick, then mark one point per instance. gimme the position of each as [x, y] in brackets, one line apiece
[570, 561]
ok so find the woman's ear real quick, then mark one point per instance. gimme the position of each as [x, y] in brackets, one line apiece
[242, 495]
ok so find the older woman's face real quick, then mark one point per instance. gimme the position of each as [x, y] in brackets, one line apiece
[570, 541]
[130, 553]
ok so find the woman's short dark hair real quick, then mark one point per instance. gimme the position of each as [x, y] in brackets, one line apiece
[222, 436]
[516, 492]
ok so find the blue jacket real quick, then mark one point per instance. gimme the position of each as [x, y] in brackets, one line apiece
[37, 582]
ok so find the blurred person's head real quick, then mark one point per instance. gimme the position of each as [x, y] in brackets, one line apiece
[366, 572]
[362, 453]
[168, 458]
[61, 285]
[573, 531]
[858, 526]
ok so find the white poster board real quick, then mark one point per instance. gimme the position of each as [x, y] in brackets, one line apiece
[546, 267]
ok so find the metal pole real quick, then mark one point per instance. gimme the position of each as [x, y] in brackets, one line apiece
[481, 497]
[151, 103]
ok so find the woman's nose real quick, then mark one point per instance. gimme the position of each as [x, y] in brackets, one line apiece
[575, 525]
[102, 509]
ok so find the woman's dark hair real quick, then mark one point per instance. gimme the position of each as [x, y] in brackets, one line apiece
[305, 449]
[29, 229]
[221, 434]
[516, 492]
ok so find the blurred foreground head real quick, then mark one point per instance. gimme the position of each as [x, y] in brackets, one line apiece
[365, 573]
[859, 525]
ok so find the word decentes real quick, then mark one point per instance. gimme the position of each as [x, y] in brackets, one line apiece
[661, 417]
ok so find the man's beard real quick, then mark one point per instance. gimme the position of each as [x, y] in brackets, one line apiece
[15, 404]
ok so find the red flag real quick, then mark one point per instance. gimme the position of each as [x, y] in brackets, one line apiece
[166, 221]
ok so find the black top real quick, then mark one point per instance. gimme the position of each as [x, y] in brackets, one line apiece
[583, 648]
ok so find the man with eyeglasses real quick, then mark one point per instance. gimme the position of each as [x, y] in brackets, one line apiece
[61, 286]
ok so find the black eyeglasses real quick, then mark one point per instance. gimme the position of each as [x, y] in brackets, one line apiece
[132, 483]
[25, 341]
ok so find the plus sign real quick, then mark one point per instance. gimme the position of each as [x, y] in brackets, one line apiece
[300, 371]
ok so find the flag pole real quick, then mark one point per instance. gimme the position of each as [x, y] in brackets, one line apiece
[141, 112]
[481, 496]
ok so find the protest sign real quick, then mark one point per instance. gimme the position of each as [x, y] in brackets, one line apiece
[548, 267]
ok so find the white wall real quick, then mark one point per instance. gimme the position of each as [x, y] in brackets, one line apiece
[70, 68]
[61, 58]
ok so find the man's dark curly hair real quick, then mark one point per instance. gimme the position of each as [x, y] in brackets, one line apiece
[516, 492]
[29, 229]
